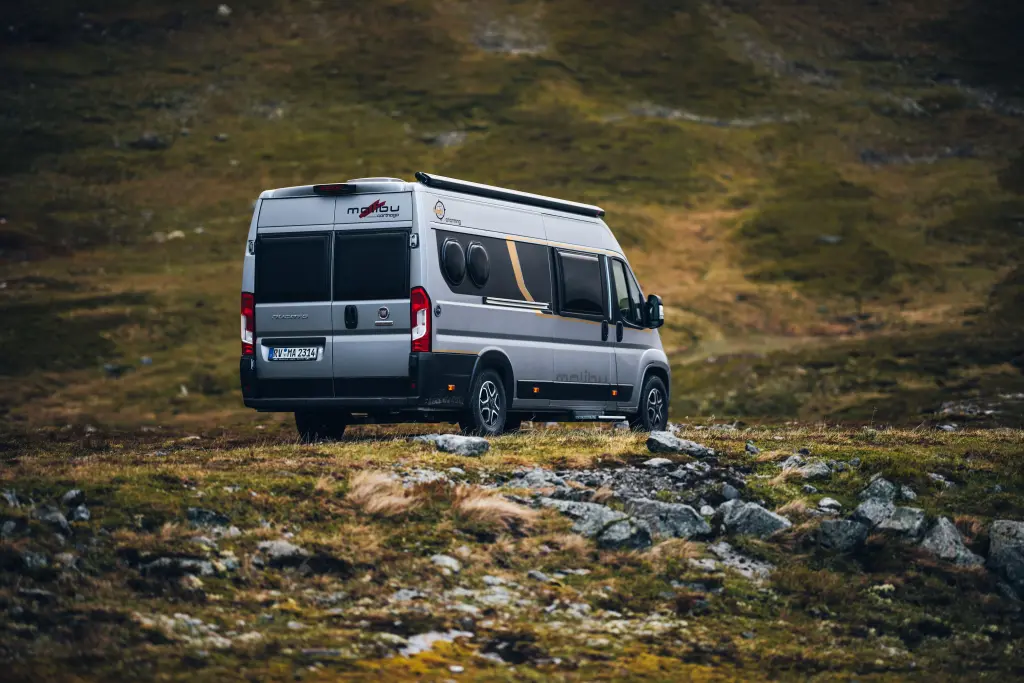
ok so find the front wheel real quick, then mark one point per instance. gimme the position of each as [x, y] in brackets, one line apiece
[314, 426]
[653, 407]
[487, 409]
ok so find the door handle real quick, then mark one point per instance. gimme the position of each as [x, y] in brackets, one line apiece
[604, 330]
[618, 331]
[351, 317]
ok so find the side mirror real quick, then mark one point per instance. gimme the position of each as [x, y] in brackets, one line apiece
[655, 311]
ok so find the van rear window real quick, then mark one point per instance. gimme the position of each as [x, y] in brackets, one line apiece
[292, 268]
[371, 265]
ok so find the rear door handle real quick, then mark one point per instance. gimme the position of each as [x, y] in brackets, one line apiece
[351, 317]
[618, 331]
[604, 330]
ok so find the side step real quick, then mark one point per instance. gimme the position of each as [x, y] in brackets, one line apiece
[593, 417]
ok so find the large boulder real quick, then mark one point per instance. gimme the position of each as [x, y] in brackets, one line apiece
[904, 521]
[669, 519]
[841, 534]
[880, 489]
[815, 470]
[1006, 551]
[944, 541]
[873, 512]
[53, 517]
[469, 446]
[738, 517]
[610, 528]
[667, 442]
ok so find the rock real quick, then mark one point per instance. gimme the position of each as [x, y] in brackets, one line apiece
[830, 504]
[204, 517]
[53, 517]
[945, 542]
[447, 562]
[421, 642]
[738, 517]
[610, 528]
[451, 138]
[854, 462]
[469, 446]
[746, 566]
[80, 514]
[490, 580]
[907, 493]
[34, 561]
[668, 519]
[879, 489]
[707, 511]
[837, 465]
[538, 478]
[223, 11]
[221, 137]
[940, 480]
[815, 470]
[1006, 552]
[904, 521]
[295, 625]
[151, 142]
[730, 492]
[947, 428]
[841, 534]
[72, 498]
[751, 448]
[538, 575]
[873, 512]
[176, 567]
[792, 462]
[8, 530]
[10, 497]
[807, 488]
[281, 553]
[666, 442]
[658, 463]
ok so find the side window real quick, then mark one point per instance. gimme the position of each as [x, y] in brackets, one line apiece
[628, 298]
[579, 281]
[371, 265]
[494, 267]
[292, 268]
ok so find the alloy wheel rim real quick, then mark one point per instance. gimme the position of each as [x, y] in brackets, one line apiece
[490, 403]
[655, 407]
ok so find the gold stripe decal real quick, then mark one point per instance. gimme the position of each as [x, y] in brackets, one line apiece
[517, 269]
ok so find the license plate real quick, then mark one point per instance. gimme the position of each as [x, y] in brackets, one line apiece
[293, 353]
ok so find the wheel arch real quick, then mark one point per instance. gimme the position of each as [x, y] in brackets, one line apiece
[497, 360]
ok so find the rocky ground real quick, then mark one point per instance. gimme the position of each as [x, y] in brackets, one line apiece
[704, 552]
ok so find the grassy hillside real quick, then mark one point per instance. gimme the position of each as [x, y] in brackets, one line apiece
[829, 198]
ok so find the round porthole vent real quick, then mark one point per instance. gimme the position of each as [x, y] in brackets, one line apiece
[478, 264]
[453, 259]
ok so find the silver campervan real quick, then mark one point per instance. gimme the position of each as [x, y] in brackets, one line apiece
[380, 300]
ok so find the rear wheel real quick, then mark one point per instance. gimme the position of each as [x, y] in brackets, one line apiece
[487, 411]
[314, 426]
[653, 407]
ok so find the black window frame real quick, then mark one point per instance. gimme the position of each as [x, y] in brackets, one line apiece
[260, 248]
[406, 269]
[560, 281]
[628, 273]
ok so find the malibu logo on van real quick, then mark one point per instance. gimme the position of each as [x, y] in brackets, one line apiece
[378, 209]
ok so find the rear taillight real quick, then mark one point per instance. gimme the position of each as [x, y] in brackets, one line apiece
[419, 315]
[248, 323]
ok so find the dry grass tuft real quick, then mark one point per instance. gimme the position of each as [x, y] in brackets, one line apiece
[678, 549]
[603, 495]
[325, 484]
[377, 493]
[798, 507]
[785, 476]
[970, 527]
[478, 505]
[572, 544]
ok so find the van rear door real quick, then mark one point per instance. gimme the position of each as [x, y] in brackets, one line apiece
[370, 312]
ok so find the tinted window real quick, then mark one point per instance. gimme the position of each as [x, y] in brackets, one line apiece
[580, 284]
[535, 266]
[292, 268]
[627, 297]
[371, 265]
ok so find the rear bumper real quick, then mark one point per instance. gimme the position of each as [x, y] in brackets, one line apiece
[437, 382]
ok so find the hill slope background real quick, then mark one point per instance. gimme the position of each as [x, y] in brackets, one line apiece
[829, 198]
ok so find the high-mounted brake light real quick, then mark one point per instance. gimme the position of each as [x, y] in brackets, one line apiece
[248, 323]
[334, 188]
[419, 314]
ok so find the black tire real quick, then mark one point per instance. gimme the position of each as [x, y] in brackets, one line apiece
[653, 407]
[314, 426]
[487, 409]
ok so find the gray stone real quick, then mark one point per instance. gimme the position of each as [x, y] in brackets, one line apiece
[707, 511]
[8, 529]
[879, 489]
[625, 534]
[150, 141]
[538, 575]
[830, 504]
[174, 567]
[281, 553]
[838, 465]
[10, 497]
[447, 562]
[854, 462]
[658, 463]
[80, 514]
[907, 493]
[751, 448]
[204, 517]
[73, 497]
[730, 492]
[841, 534]
[53, 517]
[873, 512]
[792, 462]
[746, 566]
[666, 442]
[468, 446]
[815, 470]
[940, 480]
[807, 488]
[904, 521]
[944, 541]
[34, 561]
[738, 517]
[1006, 551]
[610, 528]
[668, 519]
[538, 478]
